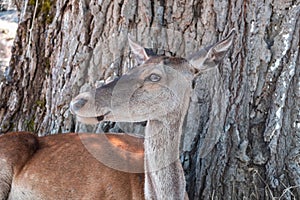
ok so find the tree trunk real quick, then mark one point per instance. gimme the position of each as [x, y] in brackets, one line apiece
[243, 126]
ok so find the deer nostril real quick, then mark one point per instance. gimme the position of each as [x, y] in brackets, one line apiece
[78, 104]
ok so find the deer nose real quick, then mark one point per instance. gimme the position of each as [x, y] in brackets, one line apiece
[77, 104]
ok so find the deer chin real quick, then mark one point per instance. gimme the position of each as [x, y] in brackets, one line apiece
[88, 120]
[100, 118]
[93, 120]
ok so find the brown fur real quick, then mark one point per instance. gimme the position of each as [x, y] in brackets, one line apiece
[61, 167]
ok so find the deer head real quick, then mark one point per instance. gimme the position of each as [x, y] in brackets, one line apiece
[157, 86]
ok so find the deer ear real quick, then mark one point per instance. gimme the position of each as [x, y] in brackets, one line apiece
[138, 51]
[210, 57]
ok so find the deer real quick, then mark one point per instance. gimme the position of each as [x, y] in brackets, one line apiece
[108, 165]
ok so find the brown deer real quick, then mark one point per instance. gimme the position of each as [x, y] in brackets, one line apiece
[111, 166]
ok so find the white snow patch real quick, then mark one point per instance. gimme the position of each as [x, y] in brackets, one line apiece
[13, 101]
[278, 113]
[286, 43]
[252, 29]
[276, 64]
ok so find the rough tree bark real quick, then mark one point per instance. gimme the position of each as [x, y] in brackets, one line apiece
[243, 126]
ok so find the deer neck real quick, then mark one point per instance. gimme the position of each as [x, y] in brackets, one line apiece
[164, 177]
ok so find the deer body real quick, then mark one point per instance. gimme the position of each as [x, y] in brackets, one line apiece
[109, 166]
[60, 167]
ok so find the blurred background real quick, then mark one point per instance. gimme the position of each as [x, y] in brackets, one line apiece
[8, 28]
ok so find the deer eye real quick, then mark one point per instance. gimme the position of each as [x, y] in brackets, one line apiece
[154, 78]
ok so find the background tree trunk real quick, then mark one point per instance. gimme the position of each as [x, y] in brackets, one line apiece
[243, 126]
